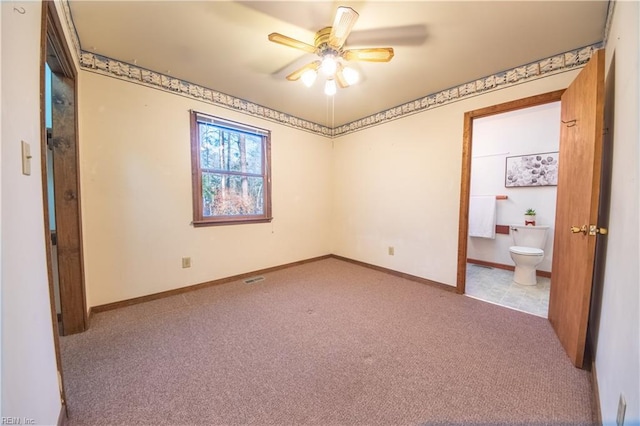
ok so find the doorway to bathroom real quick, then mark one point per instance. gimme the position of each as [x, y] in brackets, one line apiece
[513, 169]
[578, 221]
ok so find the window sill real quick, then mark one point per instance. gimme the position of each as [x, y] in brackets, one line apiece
[223, 222]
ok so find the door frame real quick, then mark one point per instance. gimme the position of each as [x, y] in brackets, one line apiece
[55, 51]
[465, 183]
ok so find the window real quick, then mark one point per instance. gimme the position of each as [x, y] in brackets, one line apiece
[231, 172]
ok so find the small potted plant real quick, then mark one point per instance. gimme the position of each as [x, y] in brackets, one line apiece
[530, 217]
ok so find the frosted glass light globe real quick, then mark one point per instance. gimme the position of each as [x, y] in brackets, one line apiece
[329, 65]
[309, 77]
[330, 88]
[350, 75]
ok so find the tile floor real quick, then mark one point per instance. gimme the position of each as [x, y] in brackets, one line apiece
[496, 286]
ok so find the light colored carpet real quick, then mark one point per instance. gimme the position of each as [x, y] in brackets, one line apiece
[325, 343]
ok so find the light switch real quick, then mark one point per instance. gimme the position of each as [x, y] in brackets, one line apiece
[26, 158]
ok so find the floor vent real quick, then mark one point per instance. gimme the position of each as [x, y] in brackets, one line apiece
[253, 280]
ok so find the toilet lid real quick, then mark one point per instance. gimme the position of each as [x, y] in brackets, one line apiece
[527, 251]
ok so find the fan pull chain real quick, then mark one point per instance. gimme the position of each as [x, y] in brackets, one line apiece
[333, 113]
[331, 109]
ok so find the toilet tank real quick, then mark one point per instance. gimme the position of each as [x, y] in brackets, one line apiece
[529, 236]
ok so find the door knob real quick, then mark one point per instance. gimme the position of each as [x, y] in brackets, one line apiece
[576, 230]
[593, 230]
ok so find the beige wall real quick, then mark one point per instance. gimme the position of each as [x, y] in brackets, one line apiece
[136, 195]
[399, 185]
[29, 378]
[616, 314]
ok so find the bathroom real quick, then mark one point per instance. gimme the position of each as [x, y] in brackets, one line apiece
[509, 152]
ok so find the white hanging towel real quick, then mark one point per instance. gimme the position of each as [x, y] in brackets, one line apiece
[482, 216]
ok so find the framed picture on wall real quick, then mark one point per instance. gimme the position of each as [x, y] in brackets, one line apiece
[532, 170]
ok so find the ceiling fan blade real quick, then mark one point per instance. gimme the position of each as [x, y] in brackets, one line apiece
[375, 54]
[342, 24]
[286, 69]
[291, 42]
[298, 73]
[407, 35]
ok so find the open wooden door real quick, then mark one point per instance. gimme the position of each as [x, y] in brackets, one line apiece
[576, 226]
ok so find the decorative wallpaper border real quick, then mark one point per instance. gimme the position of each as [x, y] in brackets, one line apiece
[66, 10]
[124, 71]
[543, 68]
[607, 25]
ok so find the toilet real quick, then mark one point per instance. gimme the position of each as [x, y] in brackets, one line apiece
[527, 252]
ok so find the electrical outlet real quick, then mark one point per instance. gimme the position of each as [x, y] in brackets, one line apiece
[392, 251]
[622, 407]
[186, 262]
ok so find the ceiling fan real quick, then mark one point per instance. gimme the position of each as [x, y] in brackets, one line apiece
[329, 46]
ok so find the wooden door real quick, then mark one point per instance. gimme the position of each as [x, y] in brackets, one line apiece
[580, 159]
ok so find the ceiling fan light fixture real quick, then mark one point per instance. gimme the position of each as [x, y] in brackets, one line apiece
[350, 75]
[329, 65]
[329, 47]
[330, 87]
[309, 77]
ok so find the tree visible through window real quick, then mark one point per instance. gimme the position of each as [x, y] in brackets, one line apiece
[231, 171]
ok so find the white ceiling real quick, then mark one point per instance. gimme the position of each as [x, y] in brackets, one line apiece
[223, 45]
